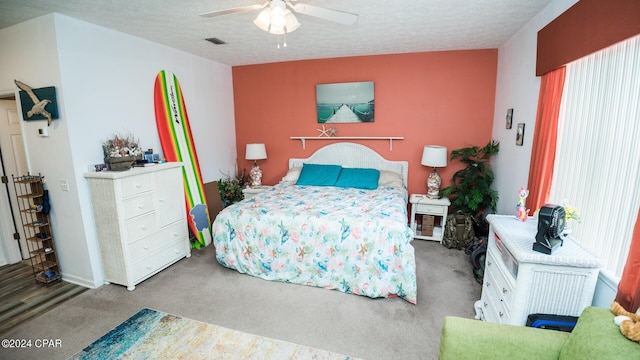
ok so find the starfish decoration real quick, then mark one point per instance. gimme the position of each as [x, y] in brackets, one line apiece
[323, 132]
[333, 131]
[38, 105]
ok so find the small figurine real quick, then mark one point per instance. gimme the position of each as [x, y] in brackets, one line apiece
[522, 210]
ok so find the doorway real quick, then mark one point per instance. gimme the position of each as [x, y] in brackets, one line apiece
[13, 162]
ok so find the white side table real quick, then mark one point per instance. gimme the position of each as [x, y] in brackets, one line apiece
[250, 192]
[422, 205]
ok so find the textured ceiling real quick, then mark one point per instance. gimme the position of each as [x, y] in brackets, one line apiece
[383, 26]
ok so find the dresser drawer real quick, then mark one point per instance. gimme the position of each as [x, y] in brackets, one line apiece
[137, 184]
[497, 293]
[149, 244]
[493, 310]
[431, 209]
[138, 205]
[149, 265]
[497, 282]
[141, 226]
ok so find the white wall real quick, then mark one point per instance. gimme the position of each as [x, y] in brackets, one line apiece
[518, 87]
[104, 81]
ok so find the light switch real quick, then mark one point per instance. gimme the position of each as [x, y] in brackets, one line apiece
[64, 184]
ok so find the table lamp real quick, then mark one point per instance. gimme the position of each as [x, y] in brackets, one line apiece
[256, 152]
[434, 156]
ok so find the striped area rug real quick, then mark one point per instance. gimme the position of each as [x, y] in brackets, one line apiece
[151, 334]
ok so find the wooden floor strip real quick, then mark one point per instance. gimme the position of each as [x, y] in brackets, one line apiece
[22, 298]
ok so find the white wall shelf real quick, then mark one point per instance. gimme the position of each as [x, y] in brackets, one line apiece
[389, 138]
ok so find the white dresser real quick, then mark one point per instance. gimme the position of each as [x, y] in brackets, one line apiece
[519, 281]
[140, 218]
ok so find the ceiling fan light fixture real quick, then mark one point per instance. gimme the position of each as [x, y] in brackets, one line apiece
[277, 16]
[277, 19]
[263, 19]
[291, 22]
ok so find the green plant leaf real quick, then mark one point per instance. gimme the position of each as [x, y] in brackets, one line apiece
[470, 190]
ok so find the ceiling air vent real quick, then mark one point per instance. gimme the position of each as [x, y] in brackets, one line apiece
[215, 41]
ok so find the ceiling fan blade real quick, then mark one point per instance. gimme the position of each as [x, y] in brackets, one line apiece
[233, 10]
[340, 17]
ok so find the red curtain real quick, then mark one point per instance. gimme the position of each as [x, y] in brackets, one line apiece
[543, 153]
[629, 287]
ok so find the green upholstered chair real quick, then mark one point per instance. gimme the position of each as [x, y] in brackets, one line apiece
[594, 337]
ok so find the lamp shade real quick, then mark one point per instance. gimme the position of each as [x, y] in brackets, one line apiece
[434, 156]
[256, 152]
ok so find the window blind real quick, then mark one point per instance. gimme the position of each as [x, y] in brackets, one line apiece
[597, 166]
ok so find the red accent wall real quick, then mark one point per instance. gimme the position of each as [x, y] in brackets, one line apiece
[442, 98]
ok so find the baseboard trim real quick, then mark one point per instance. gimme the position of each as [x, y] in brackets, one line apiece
[80, 281]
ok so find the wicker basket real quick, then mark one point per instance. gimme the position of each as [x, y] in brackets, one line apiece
[121, 163]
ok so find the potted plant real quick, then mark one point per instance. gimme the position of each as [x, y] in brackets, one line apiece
[121, 152]
[470, 191]
[231, 189]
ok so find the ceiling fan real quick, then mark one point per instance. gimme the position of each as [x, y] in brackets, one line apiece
[276, 18]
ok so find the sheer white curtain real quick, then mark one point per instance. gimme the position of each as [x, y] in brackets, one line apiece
[597, 166]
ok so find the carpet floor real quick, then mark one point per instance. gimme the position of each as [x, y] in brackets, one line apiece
[199, 288]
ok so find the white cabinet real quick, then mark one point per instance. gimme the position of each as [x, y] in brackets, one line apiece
[438, 208]
[140, 218]
[519, 281]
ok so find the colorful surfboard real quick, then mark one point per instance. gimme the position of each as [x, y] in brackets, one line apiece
[177, 145]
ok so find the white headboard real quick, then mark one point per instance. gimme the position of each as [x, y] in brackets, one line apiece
[353, 156]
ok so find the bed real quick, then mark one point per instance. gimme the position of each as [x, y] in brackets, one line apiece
[352, 239]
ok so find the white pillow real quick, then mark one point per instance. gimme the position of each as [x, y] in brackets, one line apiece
[390, 178]
[293, 174]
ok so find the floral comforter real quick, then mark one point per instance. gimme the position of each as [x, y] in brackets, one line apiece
[351, 240]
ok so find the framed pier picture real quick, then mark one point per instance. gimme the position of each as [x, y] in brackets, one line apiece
[350, 102]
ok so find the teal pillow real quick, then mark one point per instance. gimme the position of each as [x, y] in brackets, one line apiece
[318, 175]
[358, 178]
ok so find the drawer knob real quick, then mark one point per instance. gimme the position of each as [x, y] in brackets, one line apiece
[488, 284]
[504, 290]
[146, 247]
[138, 186]
[149, 267]
[161, 200]
[485, 304]
[500, 313]
[175, 234]
[141, 206]
[177, 251]
[489, 263]
[143, 227]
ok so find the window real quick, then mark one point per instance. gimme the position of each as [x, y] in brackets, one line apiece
[597, 166]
